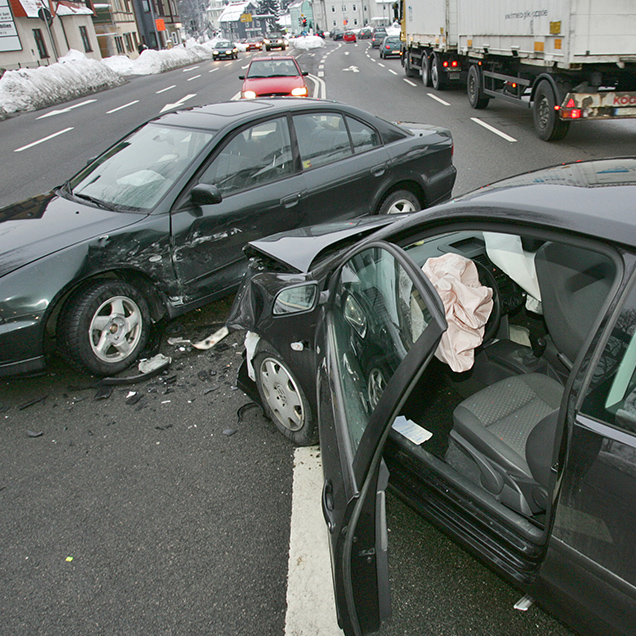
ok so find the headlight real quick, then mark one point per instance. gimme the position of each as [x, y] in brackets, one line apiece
[215, 52]
[300, 92]
[249, 94]
[265, 41]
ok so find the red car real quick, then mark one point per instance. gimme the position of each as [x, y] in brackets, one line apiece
[273, 77]
[254, 44]
[349, 36]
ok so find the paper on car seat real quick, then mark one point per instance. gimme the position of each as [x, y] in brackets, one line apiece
[412, 431]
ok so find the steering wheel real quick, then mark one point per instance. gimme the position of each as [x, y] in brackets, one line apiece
[487, 278]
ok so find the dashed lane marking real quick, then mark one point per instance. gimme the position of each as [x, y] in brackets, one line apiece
[438, 99]
[40, 141]
[493, 129]
[114, 110]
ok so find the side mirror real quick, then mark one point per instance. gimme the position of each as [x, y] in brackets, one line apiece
[295, 300]
[305, 73]
[204, 194]
[242, 77]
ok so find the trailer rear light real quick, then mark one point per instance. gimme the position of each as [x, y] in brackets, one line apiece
[571, 113]
[445, 64]
[454, 63]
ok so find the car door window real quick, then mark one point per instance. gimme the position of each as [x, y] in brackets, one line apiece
[378, 316]
[363, 137]
[255, 156]
[322, 139]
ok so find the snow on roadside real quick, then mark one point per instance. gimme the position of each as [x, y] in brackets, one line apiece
[306, 42]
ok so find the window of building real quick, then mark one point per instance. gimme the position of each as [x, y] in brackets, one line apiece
[85, 40]
[354, 7]
[39, 42]
[355, 20]
[334, 10]
[145, 6]
[119, 43]
[129, 42]
[160, 10]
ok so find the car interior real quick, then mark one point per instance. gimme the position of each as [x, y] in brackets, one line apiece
[495, 425]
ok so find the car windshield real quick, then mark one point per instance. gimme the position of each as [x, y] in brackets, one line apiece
[272, 68]
[392, 41]
[223, 45]
[136, 172]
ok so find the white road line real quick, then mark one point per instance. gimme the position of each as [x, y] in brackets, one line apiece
[66, 110]
[408, 81]
[236, 97]
[192, 78]
[110, 112]
[216, 69]
[192, 68]
[392, 71]
[438, 99]
[382, 65]
[178, 104]
[321, 74]
[493, 129]
[310, 604]
[163, 90]
[39, 141]
[320, 88]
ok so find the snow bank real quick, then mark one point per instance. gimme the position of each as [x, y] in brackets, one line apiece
[306, 42]
[73, 76]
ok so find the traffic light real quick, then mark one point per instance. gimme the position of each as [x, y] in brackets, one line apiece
[304, 21]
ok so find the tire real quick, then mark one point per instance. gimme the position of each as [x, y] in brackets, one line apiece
[438, 81]
[267, 48]
[283, 399]
[409, 71]
[426, 70]
[474, 88]
[103, 327]
[547, 124]
[399, 202]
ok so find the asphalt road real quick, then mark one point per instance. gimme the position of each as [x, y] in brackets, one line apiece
[167, 512]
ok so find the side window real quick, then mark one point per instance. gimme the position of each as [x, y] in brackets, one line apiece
[255, 156]
[363, 137]
[611, 396]
[322, 139]
[377, 316]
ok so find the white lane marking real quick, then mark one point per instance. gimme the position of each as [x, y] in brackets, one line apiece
[192, 78]
[192, 68]
[408, 81]
[246, 66]
[353, 69]
[320, 88]
[66, 110]
[236, 97]
[392, 71]
[216, 69]
[177, 104]
[382, 65]
[110, 112]
[163, 90]
[39, 141]
[493, 129]
[438, 99]
[310, 605]
[228, 64]
[321, 73]
[346, 52]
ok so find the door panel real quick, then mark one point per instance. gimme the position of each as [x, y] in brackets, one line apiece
[382, 326]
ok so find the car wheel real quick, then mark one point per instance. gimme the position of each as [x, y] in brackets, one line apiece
[399, 202]
[547, 123]
[283, 399]
[103, 327]
[474, 88]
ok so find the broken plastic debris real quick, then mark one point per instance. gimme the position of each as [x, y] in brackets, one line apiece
[35, 433]
[241, 410]
[178, 340]
[69, 559]
[157, 363]
[210, 341]
[26, 405]
[229, 432]
[148, 368]
[134, 398]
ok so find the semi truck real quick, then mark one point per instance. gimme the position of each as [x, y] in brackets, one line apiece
[568, 60]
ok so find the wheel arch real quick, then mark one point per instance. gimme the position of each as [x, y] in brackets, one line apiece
[559, 92]
[407, 184]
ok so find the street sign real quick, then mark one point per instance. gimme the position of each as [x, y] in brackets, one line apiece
[246, 17]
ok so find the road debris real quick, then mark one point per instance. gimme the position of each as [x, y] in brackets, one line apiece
[35, 433]
[26, 405]
[210, 341]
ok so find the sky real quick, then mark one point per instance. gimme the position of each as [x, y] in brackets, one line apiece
[75, 75]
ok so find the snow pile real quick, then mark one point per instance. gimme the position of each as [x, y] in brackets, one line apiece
[73, 76]
[306, 42]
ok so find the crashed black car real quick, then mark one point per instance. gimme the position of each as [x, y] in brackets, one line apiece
[155, 226]
[480, 359]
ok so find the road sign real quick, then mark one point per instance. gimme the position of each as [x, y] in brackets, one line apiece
[246, 17]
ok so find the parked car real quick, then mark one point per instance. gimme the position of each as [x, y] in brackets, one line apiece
[377, 38]
[349, 36]
[254, 44]
[391, 47]
[224, 49]
[480, 359]
[365, 33]
[274, 77]
[337, 35]
[155, 226]
[275, 41]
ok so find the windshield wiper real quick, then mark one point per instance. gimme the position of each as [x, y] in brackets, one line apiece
[97, 202]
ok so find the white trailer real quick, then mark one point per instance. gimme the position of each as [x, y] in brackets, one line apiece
[566, 59]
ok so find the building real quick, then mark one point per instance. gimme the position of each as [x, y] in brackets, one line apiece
[301, 13]
[240, 20]
[158, 23]
[116, 28]
[36, 33]
[340, 15]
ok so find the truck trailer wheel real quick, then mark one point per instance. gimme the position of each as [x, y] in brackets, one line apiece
[409, 71]
[426, 70]
[475, 88]
[547, 123]
[438, 79]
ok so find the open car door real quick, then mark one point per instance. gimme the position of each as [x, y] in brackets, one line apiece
[382, 324]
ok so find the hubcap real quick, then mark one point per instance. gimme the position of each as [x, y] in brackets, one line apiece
[401, 206]
[282, 394]
[115, 329]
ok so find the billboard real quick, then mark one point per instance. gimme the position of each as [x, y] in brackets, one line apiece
[9, 39]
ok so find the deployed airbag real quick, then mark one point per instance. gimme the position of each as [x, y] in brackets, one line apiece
[467, 305]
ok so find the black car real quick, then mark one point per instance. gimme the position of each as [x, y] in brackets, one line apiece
[391, 47]
[155, 226]
[365, 33]
[275, 41]
[224, 49]
[337, 35]
[377, 38]
[480, 359]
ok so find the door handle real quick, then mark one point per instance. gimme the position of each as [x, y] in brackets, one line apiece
[328, 505]
[291, 200]
[378, 171]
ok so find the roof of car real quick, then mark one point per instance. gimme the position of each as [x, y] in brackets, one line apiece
[595, 198]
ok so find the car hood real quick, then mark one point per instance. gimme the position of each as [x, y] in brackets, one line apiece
[268, 85]
[48, 223]
[299, 248]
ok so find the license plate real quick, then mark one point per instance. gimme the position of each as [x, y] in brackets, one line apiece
[395, 52]
[453, 76]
